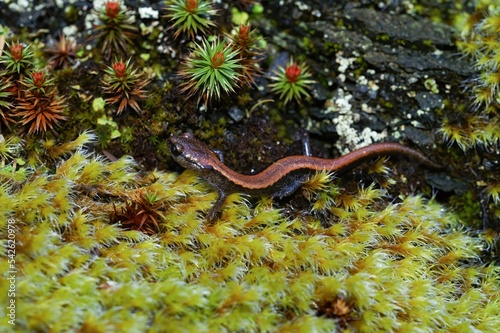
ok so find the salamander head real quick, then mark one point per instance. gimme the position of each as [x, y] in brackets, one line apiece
[192, 154]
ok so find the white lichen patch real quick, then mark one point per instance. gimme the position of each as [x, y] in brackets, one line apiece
[91, 20]
[371, 85]
[64, 3]
[344, 63]
[70, 30]
[316, 13]
[350, 137]
[148, 13]
[362, 80]
[20, 5]
[167, 49]
[302, 6]
[98, 4]
[60, 3]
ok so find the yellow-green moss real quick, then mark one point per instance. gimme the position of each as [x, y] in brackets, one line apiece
[480, 125]
[405, 266]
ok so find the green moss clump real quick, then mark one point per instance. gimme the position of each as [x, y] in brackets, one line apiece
[475, 127]
[405, 266]
[480, 41]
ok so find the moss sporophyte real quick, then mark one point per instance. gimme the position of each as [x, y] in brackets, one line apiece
[112, 9]
[125, 85]
[37, 83]
[250, 52]
[190, 16]
[291, 81]
[211, 69]
[41, 107]
[33, 100]
[17, 58]
[116, 29]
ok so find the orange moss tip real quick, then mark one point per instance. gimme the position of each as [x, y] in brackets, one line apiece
[211, 69]
[291, 82]
[62, 53]
[116, 31]
[125, 85]
[18, 58]
[41, 113]
[337, 308]
[143, 213]
[190, 17]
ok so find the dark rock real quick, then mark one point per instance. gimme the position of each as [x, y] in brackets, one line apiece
[401, 26]
[444, 182]
[429, 101]
[419, 137]
[236, 113]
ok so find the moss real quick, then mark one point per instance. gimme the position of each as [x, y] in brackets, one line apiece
[406, 264]
[479, 34]
[383, 37]
[308, 45]
[330, 48]
[469, 206]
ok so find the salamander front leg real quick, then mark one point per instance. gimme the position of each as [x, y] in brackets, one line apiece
[219, 154]
[306, 142]
[214, 211]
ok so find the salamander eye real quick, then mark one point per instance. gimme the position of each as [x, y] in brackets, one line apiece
[174, 149]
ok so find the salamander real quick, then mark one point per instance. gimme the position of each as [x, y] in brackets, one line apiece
[281, 178]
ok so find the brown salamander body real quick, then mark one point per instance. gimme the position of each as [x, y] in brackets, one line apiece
[281, 178]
